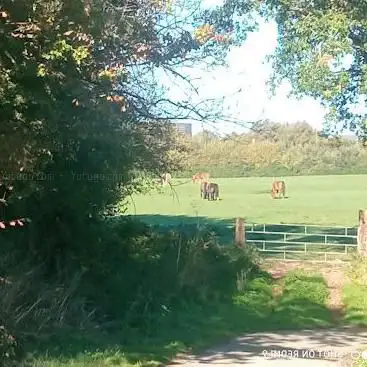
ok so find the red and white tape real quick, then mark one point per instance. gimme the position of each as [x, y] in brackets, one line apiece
[14, 223]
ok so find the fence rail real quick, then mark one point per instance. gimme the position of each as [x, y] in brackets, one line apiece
[282, 241]
[304, 242]
[305, 227]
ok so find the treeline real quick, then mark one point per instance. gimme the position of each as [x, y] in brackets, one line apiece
[273, 149]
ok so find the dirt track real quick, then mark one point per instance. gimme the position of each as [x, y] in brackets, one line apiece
[307, 348]
[334, 274]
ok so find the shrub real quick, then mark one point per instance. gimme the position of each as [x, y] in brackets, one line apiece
[126, 275]
[9, 349]
[358, 270]
[135, 271]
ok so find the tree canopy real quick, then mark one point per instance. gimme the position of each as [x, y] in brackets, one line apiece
[322, 52]
[83, 109]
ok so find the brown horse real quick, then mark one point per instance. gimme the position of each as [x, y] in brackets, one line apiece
[278, 189]
[209, 190]
[203, 193]
[212, 191]
[201, 176]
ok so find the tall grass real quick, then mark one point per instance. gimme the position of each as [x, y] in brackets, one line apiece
[355, 292]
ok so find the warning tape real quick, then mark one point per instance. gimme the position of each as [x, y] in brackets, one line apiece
[14, 223]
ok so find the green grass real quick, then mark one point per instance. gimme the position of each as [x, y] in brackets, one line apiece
[301, 304]
[355, 292]
[361, 363]
[323, 200]
[303, 301]
[355, 299]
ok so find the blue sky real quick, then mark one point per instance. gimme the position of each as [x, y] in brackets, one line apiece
[248, 73]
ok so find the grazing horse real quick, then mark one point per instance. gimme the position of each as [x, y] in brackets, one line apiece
[211, 191]
[201, 176]
[165, 179]
[278, 189]
[203, 192]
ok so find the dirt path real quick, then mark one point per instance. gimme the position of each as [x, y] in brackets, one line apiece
[333, 273]
[307, 348]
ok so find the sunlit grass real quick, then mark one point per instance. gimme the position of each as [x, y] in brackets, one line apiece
[322, 200]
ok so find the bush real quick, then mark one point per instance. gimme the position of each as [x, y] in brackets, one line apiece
[126, 275]
[143, 271]
[10, 351]
[276, 150]
[357, 271]
[312, 288]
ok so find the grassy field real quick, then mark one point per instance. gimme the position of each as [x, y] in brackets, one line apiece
[323, 200]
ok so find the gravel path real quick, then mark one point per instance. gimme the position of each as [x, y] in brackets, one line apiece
[306, 348]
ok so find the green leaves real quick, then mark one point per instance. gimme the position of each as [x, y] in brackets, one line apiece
[62, 51]
[314, 43]
[90, 101]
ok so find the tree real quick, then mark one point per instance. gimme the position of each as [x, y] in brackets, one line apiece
[205, 137]
[81, 105]
[266, 129]
[322, 52]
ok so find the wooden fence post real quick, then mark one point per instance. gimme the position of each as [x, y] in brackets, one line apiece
[362, 233]
[240, 238]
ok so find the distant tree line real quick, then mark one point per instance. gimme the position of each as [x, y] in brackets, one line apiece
[274, 149]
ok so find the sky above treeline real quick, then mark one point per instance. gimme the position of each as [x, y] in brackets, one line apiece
[243, 86]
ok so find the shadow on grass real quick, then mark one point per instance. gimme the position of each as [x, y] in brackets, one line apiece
[281, 237]
[222, 228]
[193, 327]
[312, 233]
[180, 220]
